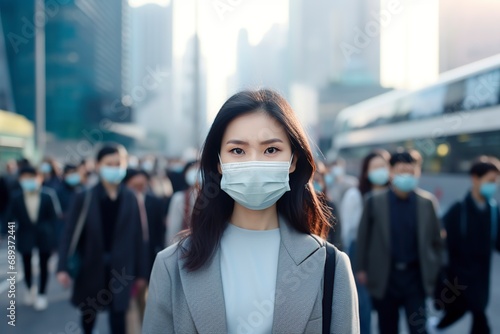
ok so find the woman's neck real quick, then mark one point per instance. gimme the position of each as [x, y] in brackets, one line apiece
[266, 219]
[377, 187]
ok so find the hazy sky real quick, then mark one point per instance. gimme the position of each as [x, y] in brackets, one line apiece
[219, 24]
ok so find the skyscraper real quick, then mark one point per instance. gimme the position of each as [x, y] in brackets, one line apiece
[151, 51]
[84, 52]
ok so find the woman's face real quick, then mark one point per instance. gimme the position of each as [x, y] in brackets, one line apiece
[376, 163]
[256, 136]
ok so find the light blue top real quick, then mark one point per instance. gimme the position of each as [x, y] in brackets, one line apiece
[249, 265]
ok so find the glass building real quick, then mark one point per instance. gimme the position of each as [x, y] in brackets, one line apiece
[84, 51]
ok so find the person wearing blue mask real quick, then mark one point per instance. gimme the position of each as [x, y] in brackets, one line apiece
[472, 232]
[182, 202]
[33, 212]
[50, 172]
[110, 244]
[254, 258]
[66, 192]
[374, 177]
[399, 246]
[319, 184]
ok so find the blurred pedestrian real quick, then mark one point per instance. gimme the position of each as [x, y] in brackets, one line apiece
[66, 193]
[159, 183]
[319, 184]
[472, 231]
[338, 182]
[374, 177]
[174, 173]
[4, 203]
[250, 262]
[33, 211]
[182, 202]
[110, 248]
[153, 225]
[399, 247]
[11, 176]
[50, 172]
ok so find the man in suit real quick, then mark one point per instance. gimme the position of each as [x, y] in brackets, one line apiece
[399, 246]
[111, 244]
[153, 219]
[33, 211]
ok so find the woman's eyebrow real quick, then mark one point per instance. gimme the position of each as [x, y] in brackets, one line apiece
[265, 142]
[237, 142]
[270, 141]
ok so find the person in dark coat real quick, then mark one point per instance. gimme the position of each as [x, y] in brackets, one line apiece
[66, 192]
[153, 221]
[470, 226]
[33, 211]
[50, 171]
[111, 245]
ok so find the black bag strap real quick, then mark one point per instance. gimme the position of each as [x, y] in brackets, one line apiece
[328, 283]
[79, 225]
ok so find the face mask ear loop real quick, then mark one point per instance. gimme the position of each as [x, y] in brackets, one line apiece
[290, 162]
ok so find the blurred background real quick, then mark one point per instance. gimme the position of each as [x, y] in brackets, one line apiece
[152, 74]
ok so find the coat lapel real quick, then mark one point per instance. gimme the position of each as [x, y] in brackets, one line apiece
[300, 272]
[385, 217]
[421, 222]
[204, 295]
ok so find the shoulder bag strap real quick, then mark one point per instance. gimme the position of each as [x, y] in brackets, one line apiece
[79, 225]
[328, 284]
[463, 219]
[494, 221]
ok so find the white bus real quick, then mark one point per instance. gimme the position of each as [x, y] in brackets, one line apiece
[449, 122]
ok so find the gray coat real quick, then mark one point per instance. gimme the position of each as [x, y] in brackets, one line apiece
[374, 243]
[193, 302]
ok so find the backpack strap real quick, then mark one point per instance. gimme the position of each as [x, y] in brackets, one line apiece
[328, 284]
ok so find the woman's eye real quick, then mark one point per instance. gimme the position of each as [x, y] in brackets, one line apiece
[272, 150]
[237, 151]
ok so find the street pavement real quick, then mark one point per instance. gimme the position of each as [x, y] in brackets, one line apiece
[62, 318]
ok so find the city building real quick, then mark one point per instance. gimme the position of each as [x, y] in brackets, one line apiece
[85, 48]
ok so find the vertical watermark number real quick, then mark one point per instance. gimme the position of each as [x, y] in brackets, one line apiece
[11, 273]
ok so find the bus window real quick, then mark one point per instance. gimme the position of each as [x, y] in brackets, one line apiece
[428, 102]
[454, 97]
[482, 90]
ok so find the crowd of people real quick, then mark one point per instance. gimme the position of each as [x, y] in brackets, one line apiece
[253, 207]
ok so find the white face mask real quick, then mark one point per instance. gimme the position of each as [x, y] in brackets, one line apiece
[256, 185]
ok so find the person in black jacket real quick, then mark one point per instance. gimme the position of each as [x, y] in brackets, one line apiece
[470, 226]
[33, 211]
[66, 192]
[110, 246]
[152, 220]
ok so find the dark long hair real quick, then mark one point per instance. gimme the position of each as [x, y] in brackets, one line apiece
[214, 207]
[365, 185]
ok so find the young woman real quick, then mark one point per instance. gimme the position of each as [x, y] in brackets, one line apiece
[182, 202]
[374, 177]
[250, 263]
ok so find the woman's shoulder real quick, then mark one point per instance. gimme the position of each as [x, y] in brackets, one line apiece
[169, 256]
